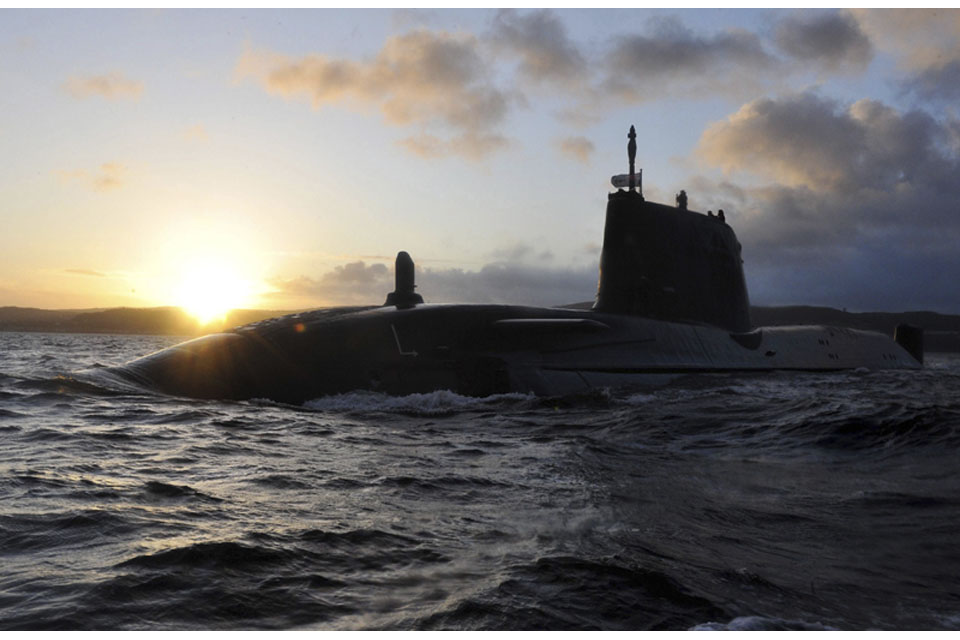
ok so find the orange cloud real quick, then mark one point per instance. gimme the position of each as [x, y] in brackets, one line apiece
[577, 147]
[107, 177]
[472, 146]
[196, 133]
[113, 86]
[434, 79]
[816, 143]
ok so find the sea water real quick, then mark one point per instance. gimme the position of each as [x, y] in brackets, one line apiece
[767, 501]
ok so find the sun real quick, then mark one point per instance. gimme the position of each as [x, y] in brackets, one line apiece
[210, 288]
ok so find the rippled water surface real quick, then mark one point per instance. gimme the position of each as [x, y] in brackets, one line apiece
[798, 501]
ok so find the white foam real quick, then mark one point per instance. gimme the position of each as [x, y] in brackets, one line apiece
[761, 623]
[638, 399]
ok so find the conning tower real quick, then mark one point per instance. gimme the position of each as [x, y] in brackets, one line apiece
[669, 263]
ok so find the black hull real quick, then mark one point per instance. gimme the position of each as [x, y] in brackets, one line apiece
[485, 349]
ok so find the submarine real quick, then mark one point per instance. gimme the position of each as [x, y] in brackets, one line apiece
[671, 301]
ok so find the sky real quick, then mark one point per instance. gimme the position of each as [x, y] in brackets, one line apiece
[280, 159]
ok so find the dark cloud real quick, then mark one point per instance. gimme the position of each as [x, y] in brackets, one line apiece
[520, 252]
[918, 38]
[510, 283]
[925, 44]
[540, 41]
[894, 270]
[829, 40]
[357, 273]
[936, 83]
[503, 282]
[453, 89]
[862, 204]
[671, 58]
[352, 283]
[953, 135]
[428, 78]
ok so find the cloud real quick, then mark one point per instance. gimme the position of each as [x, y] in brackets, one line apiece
[357, 273]
[666, 60]
[520, 253]
[936, 83]
[405, 18]
[458, 90]
[510, 283]
[926, 43]
[921, 38]
[860, 207]
[195, 133]
[470, 145]
[113, 86]
[539, 39]
[500, 282]
[577, 147]
[86, 272]
[953, 131]
[831, 40]
[351, 283]
[428, 78]
[809, 141]
[672, 59]
[109, 176]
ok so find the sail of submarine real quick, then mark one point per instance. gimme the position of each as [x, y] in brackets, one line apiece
[671, 300]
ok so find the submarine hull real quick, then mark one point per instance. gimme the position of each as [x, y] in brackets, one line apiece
[486, 349]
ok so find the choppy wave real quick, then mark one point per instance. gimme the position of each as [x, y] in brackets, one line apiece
[436, 403]
[773, 501]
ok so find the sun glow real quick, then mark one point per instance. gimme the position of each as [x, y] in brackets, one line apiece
[208, 289]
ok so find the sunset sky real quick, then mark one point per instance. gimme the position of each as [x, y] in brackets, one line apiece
[280, 159]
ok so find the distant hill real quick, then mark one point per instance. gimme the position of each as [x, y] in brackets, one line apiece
[148, 321]
[941, 331]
